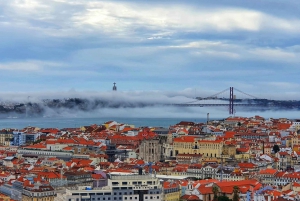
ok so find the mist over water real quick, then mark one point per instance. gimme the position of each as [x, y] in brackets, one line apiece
[150, 108]
[162, 116]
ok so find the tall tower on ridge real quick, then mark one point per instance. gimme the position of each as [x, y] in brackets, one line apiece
[114, 87]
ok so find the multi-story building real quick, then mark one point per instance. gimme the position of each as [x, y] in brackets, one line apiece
[229, 149]
[19, 138]
[168, 150]
[151, 150]
[295, 125]
[6, 137]
[267, 175]
[211, 148]
[120, 188]
[6, 189]
[79, 177]
[193, 145]
[285, 160]
[55, 179]
[172, 191]
[4, 197]
[38, 191]
[37, 152]
[188, 158]
[17, 189]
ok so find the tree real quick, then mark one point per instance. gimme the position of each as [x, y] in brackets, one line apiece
[223, 198]
[239, 124]
[215, 191]
[236, 196]
[276, 148]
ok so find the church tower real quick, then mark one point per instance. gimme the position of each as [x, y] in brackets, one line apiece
[114, 87]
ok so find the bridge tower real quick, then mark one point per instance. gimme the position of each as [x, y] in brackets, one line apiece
[231, 98]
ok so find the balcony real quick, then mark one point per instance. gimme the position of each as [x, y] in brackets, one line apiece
[131, 177]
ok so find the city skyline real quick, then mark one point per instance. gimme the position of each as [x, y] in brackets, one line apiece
[170, 48]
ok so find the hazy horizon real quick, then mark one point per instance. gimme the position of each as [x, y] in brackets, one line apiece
[186, 48]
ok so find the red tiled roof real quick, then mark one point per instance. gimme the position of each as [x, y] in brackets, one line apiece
[184, 139]
[247, 165]
[205, 190]
[268, 171]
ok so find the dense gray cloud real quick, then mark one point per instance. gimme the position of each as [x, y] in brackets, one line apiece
[178, 48]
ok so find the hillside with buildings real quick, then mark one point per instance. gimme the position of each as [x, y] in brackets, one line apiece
[252, 157]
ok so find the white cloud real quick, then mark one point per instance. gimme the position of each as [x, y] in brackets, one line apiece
[143, 44]
[276, 54]
[126, 18]
[114, 17]
[284, 85]
[223, 49]
[120, 17]
[27, 65]
[20, 66]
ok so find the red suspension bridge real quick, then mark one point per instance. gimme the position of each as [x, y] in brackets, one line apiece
[238, 98]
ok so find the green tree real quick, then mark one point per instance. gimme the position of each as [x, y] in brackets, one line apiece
[236, 196]
[276, 148]
[215, 191]
[223, 198]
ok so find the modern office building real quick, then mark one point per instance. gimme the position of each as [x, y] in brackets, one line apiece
[120, 188]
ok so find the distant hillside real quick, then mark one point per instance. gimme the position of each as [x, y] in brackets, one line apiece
[57, 107]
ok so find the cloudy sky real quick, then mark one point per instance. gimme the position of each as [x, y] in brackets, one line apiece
[190, 47]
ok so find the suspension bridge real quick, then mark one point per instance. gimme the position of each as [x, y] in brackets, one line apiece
[233, 97]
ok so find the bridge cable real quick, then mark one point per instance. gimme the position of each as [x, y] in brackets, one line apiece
[215, 95]
[245, 93]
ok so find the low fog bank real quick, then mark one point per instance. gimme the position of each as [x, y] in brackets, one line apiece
[152, 104]
[162, 112]
[149, 97]
[183, 112]
[71, 103]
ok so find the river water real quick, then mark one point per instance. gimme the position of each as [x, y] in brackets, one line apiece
[77, 122]
[151, 116]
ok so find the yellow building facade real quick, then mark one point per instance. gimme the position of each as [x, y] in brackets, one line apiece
[175, 196]
[172, 191]
[41, 193]
[229, 149]
[193, 145]
[27, 198]
[5, 138]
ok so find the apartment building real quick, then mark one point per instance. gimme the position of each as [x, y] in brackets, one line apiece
[120, 187]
